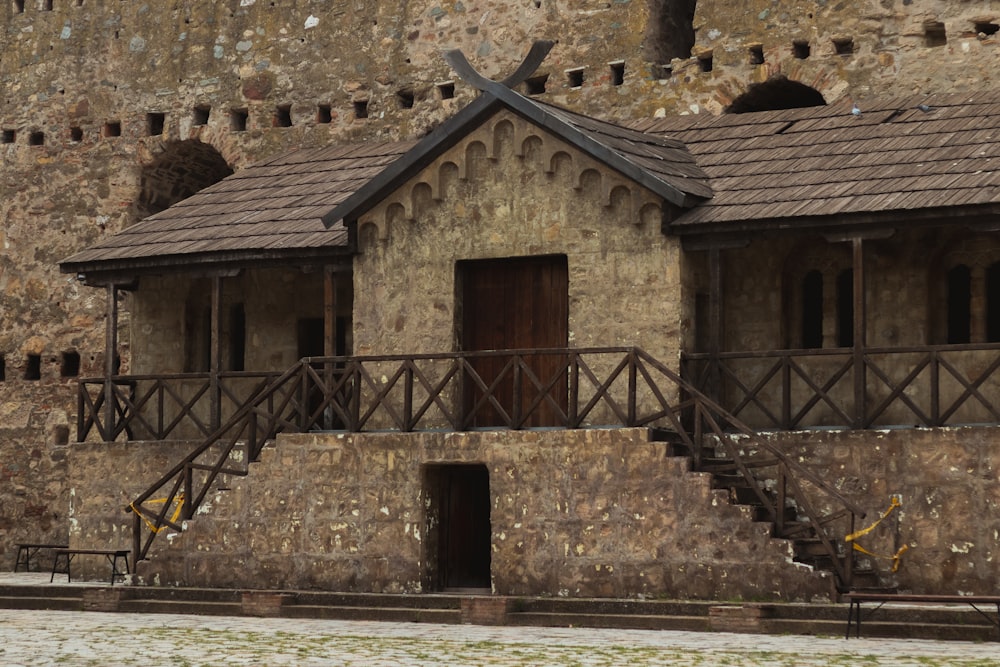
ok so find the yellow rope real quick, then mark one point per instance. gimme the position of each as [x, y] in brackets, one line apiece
[178, 499]
[893, 504]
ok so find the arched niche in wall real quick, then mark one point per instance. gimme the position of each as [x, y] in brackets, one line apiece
[180, 170]
[778, 92]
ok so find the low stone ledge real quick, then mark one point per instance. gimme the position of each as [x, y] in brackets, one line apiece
[485, 610]
[745, 618]
[102, 599]
[265, 604]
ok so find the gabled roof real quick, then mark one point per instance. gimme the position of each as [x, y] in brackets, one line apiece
[660, 164]
[900, 160]
[270, 210]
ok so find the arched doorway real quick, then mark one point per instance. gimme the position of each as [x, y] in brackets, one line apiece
[182, 169]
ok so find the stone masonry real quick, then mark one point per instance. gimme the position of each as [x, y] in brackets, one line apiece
[112, 110]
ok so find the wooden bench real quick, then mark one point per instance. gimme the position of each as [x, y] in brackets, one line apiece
[66, 556]
[28, 550]
[974, 601]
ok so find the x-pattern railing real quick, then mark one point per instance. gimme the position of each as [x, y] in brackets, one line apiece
[569, 388]
[792, 389]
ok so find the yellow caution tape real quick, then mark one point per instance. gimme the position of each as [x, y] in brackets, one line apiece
[893, 504]
[178, 499]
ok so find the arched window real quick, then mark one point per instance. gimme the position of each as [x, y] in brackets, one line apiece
[959, 304]
[845, 308]
[812, 310]
[993, 303]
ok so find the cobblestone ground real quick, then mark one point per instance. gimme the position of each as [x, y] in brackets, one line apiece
[36, 638]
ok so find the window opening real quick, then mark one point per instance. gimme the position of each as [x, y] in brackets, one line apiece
[18, 6]
[155, 122]
[46, 5]
[404, 98]
[705, 61]
[70, 366]
[3, 368]
[843, 46]
[536, 84]
[801, 49]
[986, 28]
[959, 304]
[237, 337]
[993, 303]
[812, 310]
[617, 73]
[238, 120]
[935, 34]
[361, 109]
[76, 134]
[201, 114]
[36, 138]
[8, 136]
[112, 129]
[845, 308]
[33, 369]
[756, 52]
[574, 77]
[324, 114]
[446, 89]
[283, 115]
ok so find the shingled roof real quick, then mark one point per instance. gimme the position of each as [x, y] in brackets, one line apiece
[901, 160]
[270, 210]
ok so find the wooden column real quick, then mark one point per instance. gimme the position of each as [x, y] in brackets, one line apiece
[860, 327]
[110, 352]
[215, 352]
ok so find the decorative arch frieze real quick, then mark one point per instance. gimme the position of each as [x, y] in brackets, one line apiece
[507, 136]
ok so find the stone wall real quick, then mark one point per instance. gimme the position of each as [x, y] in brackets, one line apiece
[103, 120]
[947, 480]
[579, 513]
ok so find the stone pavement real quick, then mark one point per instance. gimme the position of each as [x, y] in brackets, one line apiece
[38, 638]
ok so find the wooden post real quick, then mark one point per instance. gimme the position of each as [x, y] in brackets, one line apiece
[110, 350]
[215, 353]
[860, 326]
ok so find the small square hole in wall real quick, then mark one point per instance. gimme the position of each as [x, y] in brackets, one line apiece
[985, 28]
[536, 84]
[843, 46]
[36, 138]
[79, 3]
[361, 109]
[446, 89]
[112, 129]
[155, 123]
[3, 368]
[8, 136]
[574, 77]
[70, 366]
[18, 6]
[238, 120]
[33, 368]
[801, 49]
[617, 73]
[324, 114]
[935, 34]
[283, 115]
[404, 98]
[705, 61]
[756, 53]
[46, 5]
[201, 114]
[76, 134]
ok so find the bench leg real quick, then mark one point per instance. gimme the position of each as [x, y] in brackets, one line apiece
[55, 566]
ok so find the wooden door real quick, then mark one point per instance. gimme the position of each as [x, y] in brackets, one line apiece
[464, 547]
[508, 304]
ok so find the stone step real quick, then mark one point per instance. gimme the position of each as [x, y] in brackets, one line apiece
[377, 600]
[388, 614]
[614, 607]
[620, 621]
[39, 603]
[199, 607]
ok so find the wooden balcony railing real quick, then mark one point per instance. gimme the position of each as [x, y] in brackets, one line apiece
[568, 388]
[934, 385]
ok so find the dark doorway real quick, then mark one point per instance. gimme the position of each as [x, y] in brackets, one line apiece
[516, 304]
[459, 532]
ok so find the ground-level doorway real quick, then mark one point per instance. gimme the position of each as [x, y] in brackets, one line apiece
[458, 531]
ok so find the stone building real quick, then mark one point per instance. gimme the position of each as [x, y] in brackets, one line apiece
[125, 109]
